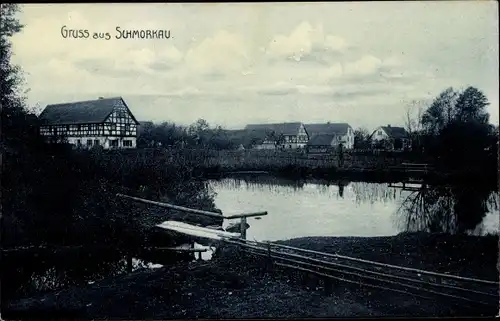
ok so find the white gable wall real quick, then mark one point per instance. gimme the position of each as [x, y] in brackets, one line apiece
[347, 140]
[379, 134]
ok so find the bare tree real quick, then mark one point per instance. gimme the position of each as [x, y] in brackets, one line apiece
[361, 138]
[413, 120]
[413, 116]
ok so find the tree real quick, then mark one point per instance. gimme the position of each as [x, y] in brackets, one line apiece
[413, 123]
[17, 124]
[413, 116]
[471, 106]
[361, 138]
[275, 136]
[440, 113]
[145, 134]
[459, 137]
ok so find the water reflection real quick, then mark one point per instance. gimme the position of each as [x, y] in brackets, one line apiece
[342, 208]
[449, 209]
[25, 274]
[278, 185]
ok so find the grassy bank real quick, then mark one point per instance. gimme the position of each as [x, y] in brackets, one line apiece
[250, 160]
[234, 286]
[375, 166]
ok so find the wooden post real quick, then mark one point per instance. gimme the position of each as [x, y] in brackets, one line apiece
[243, 228]
[269, 259]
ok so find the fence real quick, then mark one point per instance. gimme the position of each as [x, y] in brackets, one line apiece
[399, 279]
[330, 267]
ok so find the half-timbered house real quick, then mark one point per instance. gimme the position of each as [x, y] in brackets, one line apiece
[106, 122]
[281, 135]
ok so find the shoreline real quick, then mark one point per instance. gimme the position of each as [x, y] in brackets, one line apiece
[231, 286]
[354, 174]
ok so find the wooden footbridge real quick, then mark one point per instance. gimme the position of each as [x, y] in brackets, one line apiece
[414, 173]
[331, 268]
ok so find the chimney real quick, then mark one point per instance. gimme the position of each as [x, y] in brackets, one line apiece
[101, 97]
[389, 125]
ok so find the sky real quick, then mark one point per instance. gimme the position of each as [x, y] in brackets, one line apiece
[363, 63]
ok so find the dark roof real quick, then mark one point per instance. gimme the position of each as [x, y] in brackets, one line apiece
[395, 132]
[282, 128]
[327, 128]
[81, 112]
[321, 140]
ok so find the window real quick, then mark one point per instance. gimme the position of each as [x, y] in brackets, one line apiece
[96, 142]
[89, 142]
[78, 142]
[127, 143]
[114, 143]
[379, 133]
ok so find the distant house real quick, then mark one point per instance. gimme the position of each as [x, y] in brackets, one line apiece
[321, 143]
[391, 138]
[106, 122]
[281, 136]
[344, 134]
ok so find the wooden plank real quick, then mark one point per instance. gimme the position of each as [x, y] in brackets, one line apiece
[171, 206]
[180, 249]
[229, 217]
[189, 210]
[414, 164]
[196, 230]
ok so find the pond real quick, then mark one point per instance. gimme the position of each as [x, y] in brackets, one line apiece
[318, 208]
[296, 208]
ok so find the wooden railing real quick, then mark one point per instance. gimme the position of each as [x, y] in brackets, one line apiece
[413, 167]
[370, 274]
[242, 217]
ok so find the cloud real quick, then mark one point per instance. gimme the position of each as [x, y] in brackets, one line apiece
[367, 65]
[302, 65]
[221, 53]
[306, 43]
[167, 59]
[332, 72]
[280, 88]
